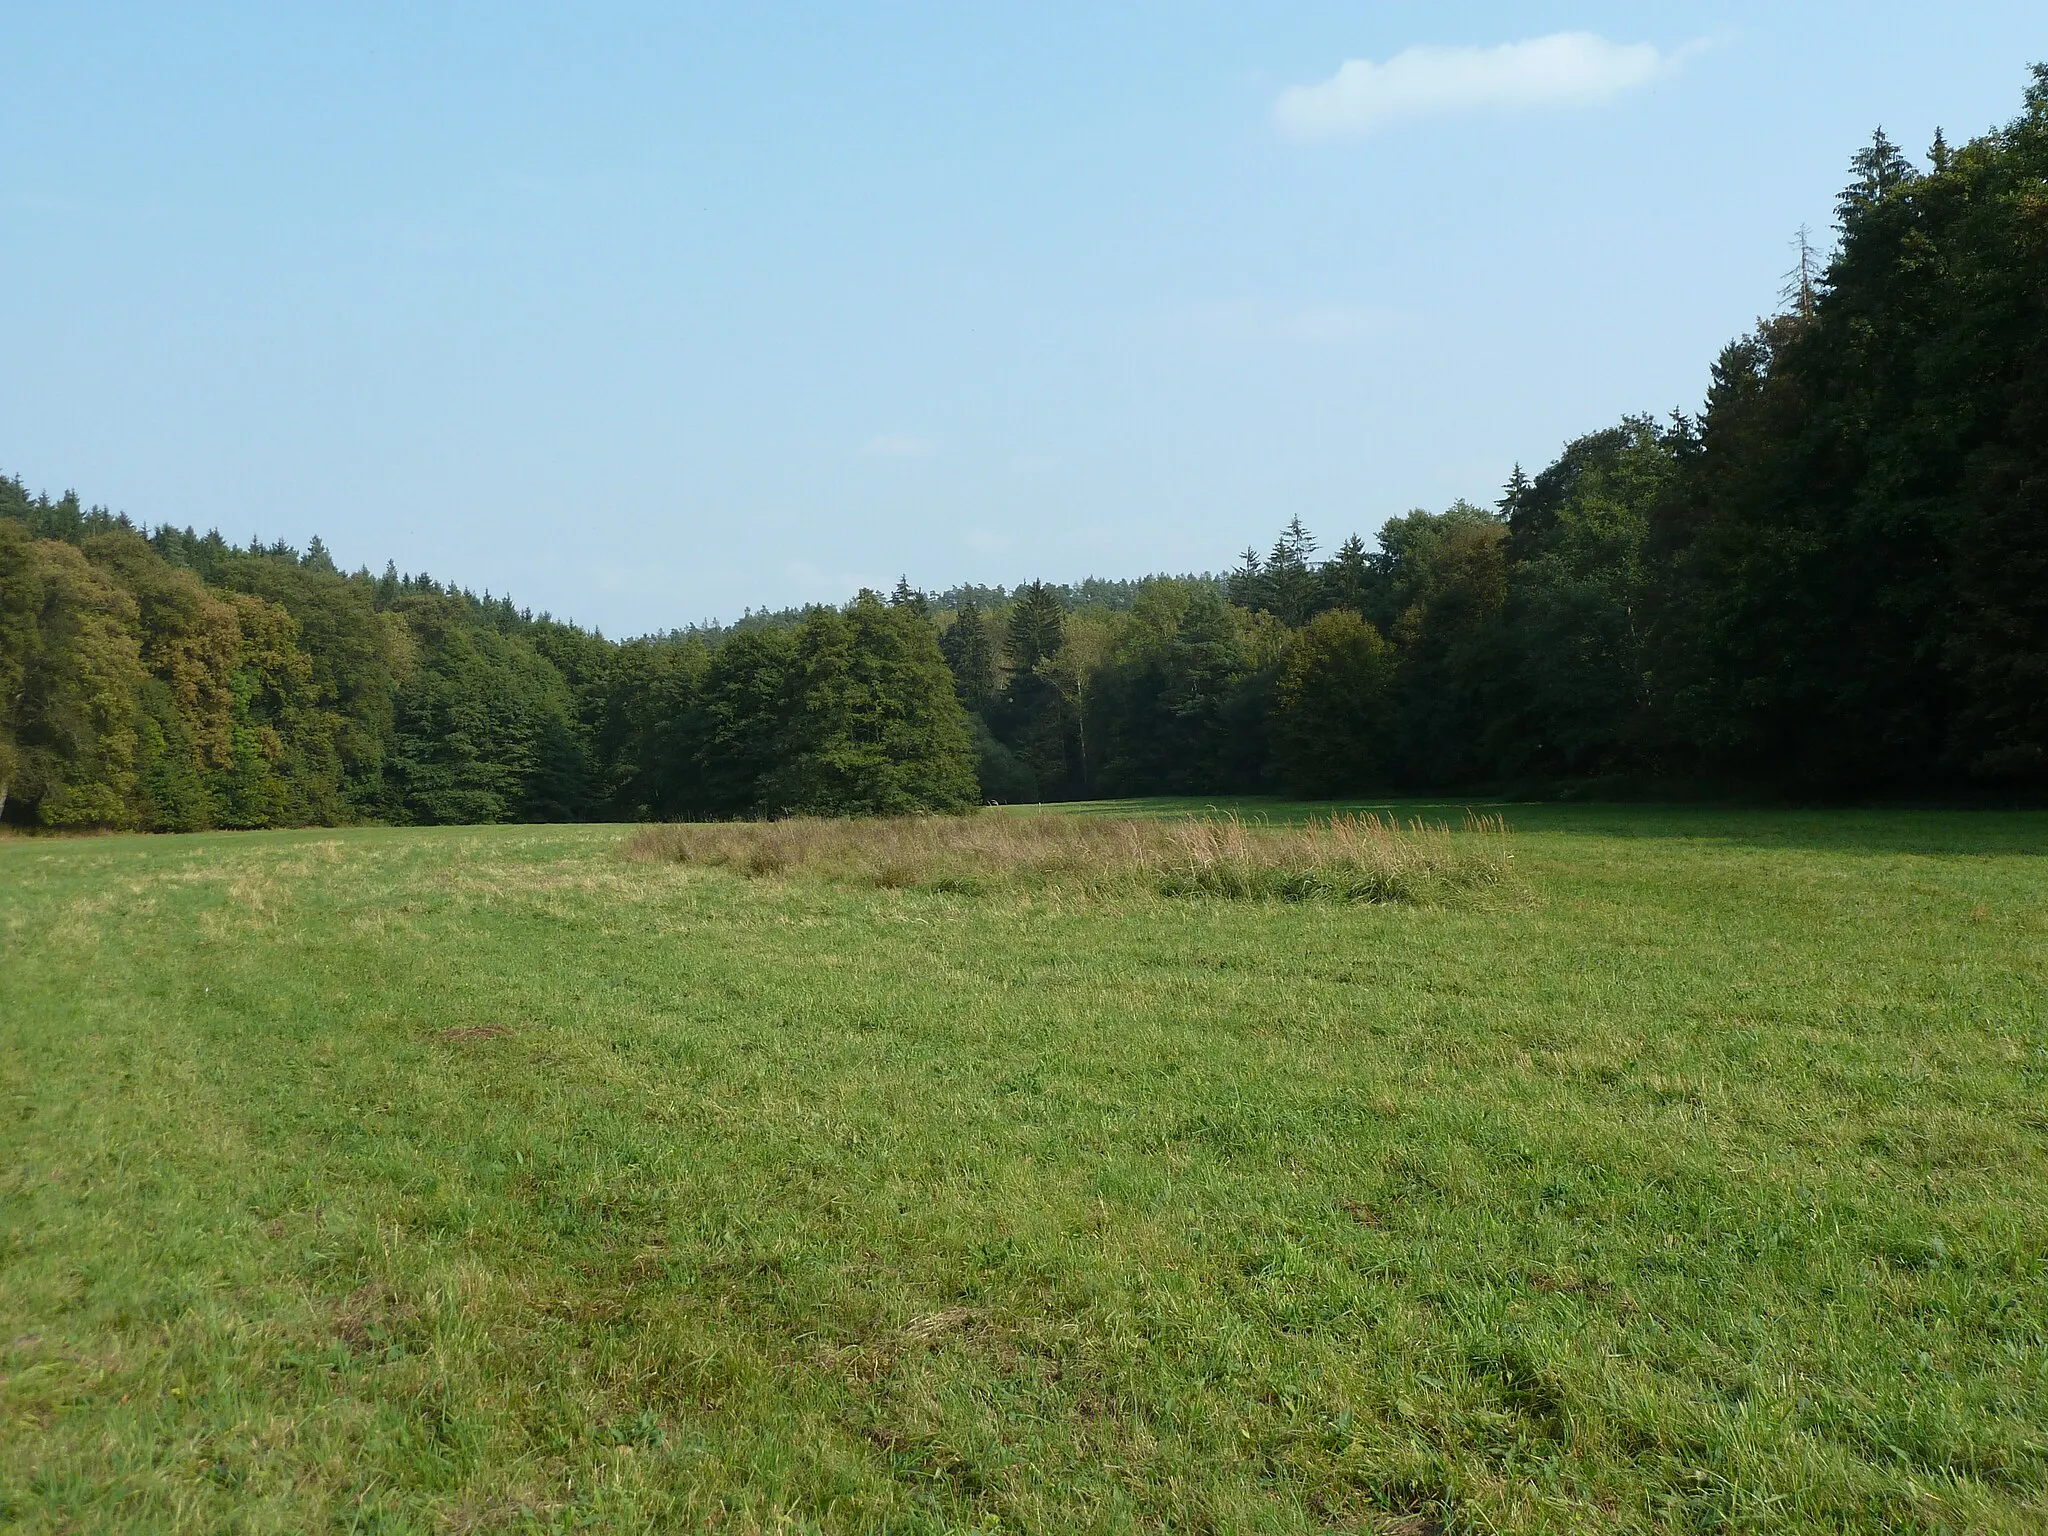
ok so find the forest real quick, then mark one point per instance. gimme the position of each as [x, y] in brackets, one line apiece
[1829, 583]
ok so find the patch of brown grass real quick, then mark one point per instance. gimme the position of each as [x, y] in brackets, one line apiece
[1343, 857]
[935, 1325]
[372, 1316]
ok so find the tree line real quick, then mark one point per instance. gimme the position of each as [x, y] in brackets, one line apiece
[1831, 581]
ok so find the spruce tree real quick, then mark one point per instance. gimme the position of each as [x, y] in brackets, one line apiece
[1290, 584]
[969, 646]
[1037, 625]
[1878, 170]
[1347, 577]
[1034, 720]
[1247, 584]
[910, 598]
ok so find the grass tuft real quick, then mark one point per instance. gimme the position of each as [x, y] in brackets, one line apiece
[1360, 857]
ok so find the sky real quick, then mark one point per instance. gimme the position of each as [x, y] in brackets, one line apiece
[651, 314]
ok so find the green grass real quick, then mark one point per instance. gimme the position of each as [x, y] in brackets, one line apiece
[481, 1178]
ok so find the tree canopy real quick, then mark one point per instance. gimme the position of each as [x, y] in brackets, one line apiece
[1831, 581]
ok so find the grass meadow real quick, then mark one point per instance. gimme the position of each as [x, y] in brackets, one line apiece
[1686, 1173]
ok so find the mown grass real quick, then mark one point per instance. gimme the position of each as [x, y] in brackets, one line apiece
[1344, 856]
[486, 1179]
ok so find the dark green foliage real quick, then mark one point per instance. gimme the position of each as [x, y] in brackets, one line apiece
[907, 596]
[1209, 672]
[1330, 717]
[849, 713]
[1572, 694]
[735, 734]
[66, 520]
[1246, 586]
[1441, 598]
[969, 646]
[1287, 585]
[871, 722]
[1034, 717]
[485, 726]
[1037, 626]
[1347, 577]
[1291, 585]
[1833, 582]
[357, 656]
[643, 739]
[1179, 705]
[973, 652]
[1037, 727]
[1003, 776]
[1851, 573]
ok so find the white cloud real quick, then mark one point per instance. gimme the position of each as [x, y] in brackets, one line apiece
[899, 445]
[1564, 69]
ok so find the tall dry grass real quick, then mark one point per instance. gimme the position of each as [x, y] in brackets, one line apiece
[1342, 858]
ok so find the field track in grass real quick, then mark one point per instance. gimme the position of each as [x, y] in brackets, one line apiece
[486, 1178]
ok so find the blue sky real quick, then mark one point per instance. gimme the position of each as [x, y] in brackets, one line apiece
[648, 314]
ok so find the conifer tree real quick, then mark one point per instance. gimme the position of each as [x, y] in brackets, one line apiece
[1037, 618]
[910, 598]
[1247, 584]
[1878, 170]
[969, 646]
[1512, 494]
[1289, 582]
[1347, 577]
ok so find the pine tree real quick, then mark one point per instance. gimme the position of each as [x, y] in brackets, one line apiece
[1037, 624]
